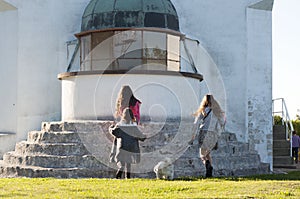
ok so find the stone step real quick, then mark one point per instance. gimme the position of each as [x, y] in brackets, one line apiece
[281, 144]
[281, 148]
[279, 132]
[281, 152]
[235, 162]
[263, 168]
[194, 167]
[50, 161]
[280, 136]
[286, 166]
[282, 160]
[228, 137]
[233, 148]
[59, 149]
[230, 149]
[53, 137]
[76, 126]
[227, 143]
[219, 162]
[40, 172]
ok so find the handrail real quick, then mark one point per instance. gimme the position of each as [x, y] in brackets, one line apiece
[285, 119]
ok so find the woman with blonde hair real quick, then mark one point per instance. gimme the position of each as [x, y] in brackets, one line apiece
[209, 122]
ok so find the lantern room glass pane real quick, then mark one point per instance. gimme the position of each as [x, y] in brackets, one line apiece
[173, 53]
[86, 60]
[127, 44]
[155, 45]
[102, 54]
[154, 64]
[132, 49]
[126, 64]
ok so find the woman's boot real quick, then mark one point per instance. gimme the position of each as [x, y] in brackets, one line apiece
[119, 174]
[209, 169]
[127, 175]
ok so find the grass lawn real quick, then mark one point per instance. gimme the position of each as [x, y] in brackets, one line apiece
[264, 186]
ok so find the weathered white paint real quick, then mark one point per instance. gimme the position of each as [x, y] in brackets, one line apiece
[32, 53]
[9, 71]
[259, 79]
[239, 41]
[237, 38]
[213, 79]
[94, 96]
[8, 76]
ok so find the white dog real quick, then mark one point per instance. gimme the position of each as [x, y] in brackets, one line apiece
[164, 169]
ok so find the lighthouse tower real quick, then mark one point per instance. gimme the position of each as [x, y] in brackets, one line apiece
[135, 43]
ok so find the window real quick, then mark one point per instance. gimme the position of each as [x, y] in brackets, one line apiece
[85, 53]
[173, 53]
[132, 49]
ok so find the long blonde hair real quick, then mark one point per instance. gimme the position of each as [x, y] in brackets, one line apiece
[209, 101]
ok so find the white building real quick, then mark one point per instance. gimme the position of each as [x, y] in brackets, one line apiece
[234, 56]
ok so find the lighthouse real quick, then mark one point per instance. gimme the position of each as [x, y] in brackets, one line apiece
[136, 43]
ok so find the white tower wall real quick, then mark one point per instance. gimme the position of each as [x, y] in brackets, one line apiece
[238, 38]
[237, 35]
[33, 51]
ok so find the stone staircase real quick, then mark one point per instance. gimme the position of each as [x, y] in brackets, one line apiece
[55, 151]
[281, 149]
[80, 149]
[232, 158]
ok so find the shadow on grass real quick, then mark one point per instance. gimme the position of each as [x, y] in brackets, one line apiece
[294, 175]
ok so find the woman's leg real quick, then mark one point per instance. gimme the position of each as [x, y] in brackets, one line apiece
[121, 166]
[208, 166]
[208, 157]
[207, 161]
[203, 154]
[296, 155]
[113, 150]
[128, 168]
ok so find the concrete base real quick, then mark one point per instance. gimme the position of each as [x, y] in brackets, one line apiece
[79, 149]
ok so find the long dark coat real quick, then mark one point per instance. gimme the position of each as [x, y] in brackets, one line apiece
[127, 149]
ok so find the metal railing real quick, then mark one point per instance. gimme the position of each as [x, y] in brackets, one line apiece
[285, 118]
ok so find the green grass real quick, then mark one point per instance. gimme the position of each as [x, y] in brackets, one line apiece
[263, 186]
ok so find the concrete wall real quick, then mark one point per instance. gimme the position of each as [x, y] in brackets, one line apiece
[259, 80]
[33, 51]
[8, 76]
[9, 71]
[239, 40]
[221, 29]
[163, 97]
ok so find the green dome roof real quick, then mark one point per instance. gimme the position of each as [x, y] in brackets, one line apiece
[104, 14]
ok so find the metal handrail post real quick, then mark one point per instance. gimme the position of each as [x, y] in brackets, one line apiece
[292, 129]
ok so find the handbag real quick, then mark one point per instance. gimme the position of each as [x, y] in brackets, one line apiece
[202, 120]
[219, 128]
